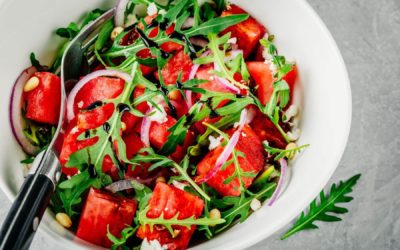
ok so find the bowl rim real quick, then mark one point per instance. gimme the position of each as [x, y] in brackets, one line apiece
[259, 235]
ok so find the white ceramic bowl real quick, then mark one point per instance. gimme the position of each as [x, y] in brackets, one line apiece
[25, 26]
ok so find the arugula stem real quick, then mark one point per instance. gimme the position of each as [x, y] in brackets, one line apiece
[247, 203]
[124, 98]
[213, 45]
[336, 196]
[191, 182]
[133, 48]
[283, 133]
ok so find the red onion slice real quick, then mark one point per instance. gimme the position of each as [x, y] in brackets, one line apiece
[281, 182]
[198, 41]
[123, 185]
[119, 18]
[188, 23]
[85, 80]
[192, 75]
[145, 129]
[226, 153]
[16, 119]
[225, 82]
[188, 93]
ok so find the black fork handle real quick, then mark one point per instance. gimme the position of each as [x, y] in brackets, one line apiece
[26, 212]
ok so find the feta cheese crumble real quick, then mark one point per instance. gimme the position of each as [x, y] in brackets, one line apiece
[214, 142]
[159, 116]
[294, 135]
[152, 245]
[232, 40]
[152, 9]
[291, 112]
[255, 204]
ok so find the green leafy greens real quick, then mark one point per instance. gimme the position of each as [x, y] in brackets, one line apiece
[326, 207]
[175, 221]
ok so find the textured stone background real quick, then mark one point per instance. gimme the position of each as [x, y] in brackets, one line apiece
[368, 34]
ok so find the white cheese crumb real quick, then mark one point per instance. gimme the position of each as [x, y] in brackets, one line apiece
[291, 112]
[268, 60]
[214, 142]
[162, 12]
[255, 204]
[152, 9]
[159, 116]
[294, 135]
[80, 104]
[232, 40]
[152, 245]
[179, 185]
[243, 134]
[266, 143]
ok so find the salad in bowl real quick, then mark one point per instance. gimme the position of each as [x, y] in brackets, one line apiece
[182, 124]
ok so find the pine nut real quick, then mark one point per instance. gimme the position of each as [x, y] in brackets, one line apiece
[215, 214]
[64, 220]
[116, 31]
[161, 179]
[291, 146]
[255, 204]
[31, 84]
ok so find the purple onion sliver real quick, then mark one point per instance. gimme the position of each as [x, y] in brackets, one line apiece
[85, 80]
[15, 116]
[188, 23]
[227, 84]
[119, 18]
[281, 181]
[145, 129]
[201, 42]
[226, 153]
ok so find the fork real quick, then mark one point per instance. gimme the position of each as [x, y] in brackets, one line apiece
[26, 212]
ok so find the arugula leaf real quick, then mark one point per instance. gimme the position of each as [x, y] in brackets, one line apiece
[73, 28]
[126, 233]
[104, 35]
[279, 61]
[35, 63]
[69, 32]
[240, 206]
[174, 12]
[219, 58]
[71, 191]
[279, 96]
[181, 127]
[220, 5]
[215, 25]
[327, 204]
[154, 158]
[281, 153]
[174, 221]
[91, 16]
[28, 160]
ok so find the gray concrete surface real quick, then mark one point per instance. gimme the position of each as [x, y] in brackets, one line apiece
[368, 34]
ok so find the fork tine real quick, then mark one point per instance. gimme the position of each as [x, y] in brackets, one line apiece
[89, 42]
[75, 53]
